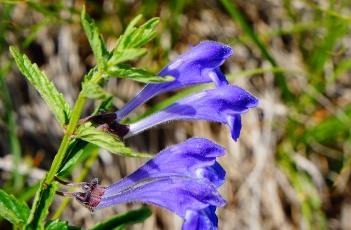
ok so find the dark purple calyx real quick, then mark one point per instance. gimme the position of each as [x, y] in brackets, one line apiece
[116, 128]
[100, 119]
[91, 193]
[109, 123]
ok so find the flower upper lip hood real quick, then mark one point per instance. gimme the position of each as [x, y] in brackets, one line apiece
[198, 65]
[210, 54]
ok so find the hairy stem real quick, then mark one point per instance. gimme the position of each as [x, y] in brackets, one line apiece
[72, 125]
[77, 110]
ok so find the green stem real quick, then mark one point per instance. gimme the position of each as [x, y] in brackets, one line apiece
[61, 153]
[76, 113]
[77, 110]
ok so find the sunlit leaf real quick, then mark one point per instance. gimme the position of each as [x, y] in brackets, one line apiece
[95, 40]
[119, 56]
[141, 75]
[78, 151]
[44, 86]
[135, 37]
[94, 91]
[13, 210]
[106, 140]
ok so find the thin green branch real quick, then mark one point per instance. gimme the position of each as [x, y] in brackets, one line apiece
[60, 156]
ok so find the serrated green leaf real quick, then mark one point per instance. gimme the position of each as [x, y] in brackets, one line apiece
[13, 210]
[125, 219]
[94, 91]
[124, 55]
[107, 141]
[96, 42]
[44, 86]
[131, 26]
[135, 37]
[141, 75]
[40, 206]
[60, 225]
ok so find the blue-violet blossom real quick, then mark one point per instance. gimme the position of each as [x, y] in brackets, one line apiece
[182, 178]
[224, 105]
[201, 64]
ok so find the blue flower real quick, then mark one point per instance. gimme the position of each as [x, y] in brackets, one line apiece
[182, 178]
[198, 65]
[224, 105]
[202, 219]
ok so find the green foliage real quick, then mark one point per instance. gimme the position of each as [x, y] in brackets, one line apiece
[13, 210]
[94, 91]
[60, 225]
[95, 40]
[136, 37]
[123, 220]
[78, 151]
[128, 54]
[44, 86]
[141, 75]
[128, 48]
[107, 141]
[40, 207]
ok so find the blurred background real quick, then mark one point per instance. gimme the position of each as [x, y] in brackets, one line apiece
[290, 168]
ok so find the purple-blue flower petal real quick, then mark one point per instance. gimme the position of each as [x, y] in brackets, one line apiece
[223, 104]
[198, 65]
[214, 173]
[204, 219]
[182, 177]
[175, 193]
[193, 158]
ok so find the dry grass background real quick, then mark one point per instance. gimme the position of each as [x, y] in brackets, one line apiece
[259, 189]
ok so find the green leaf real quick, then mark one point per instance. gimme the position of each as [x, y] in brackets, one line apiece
[94, 91]
[44, 86]
[96, 42]
[125, 219]
[77, 152]
[40, 206]
[60, 225]
[106, 140]
[13, 210]
[141, 75]
[135, 37]
[119, 56]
